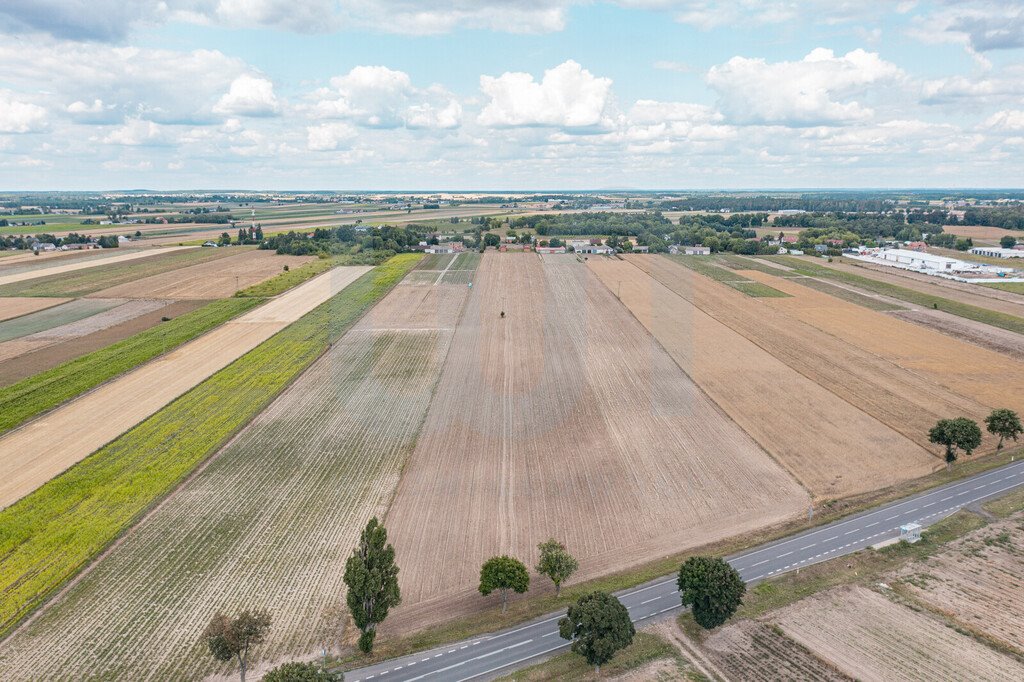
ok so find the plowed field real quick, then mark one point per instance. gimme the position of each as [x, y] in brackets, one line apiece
[268, 523]
[566, 419]
[773, 402]
[753, 650]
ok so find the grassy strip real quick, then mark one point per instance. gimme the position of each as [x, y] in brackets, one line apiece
[646, 647]
[284, 281]
[520, 611]
[1004, 506]
[847, 295]
[44, 391]
[728, 277]
[965, 310]
[735, 262]
[1012, 287]
[48, 536]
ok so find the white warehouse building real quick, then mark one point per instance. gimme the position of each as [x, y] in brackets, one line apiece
[919, 260]
[996, 252]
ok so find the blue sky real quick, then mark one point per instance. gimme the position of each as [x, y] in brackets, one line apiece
[519, 94]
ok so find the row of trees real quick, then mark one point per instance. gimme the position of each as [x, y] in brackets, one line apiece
[964, 434]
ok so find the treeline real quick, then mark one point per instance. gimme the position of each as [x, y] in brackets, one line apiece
[23, 242]
[346, 240]
[611, 224]
[1006, 217]
[764, 202]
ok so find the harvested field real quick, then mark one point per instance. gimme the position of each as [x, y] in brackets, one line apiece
[989, 378]
[983, 232]
[60, 267]
[754, 650]
[30, 263]
[268, 522]
[977, 581]
[123, 311]
[539, 426]
[902, 399]
[28, 364]
[95, 277]
[42, 449]
[771, 401]
[54, 317]
[733, 278]
[869, 301]
[994, 339]
[215, 279]
[16, 307]
[871, 638]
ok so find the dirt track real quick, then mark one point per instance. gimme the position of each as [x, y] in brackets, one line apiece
[771, 401]
[38, 451]
[60, 268]
[566, 419]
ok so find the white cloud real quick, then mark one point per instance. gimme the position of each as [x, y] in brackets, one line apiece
[379, 97]
[979, 25]
[568, 96]
[1006, 120]
[137, 132]
[817, 89]
[1007, 86]
[329, 136]
[248, 96]
[20, 117]
[122, 165]
[428, 116]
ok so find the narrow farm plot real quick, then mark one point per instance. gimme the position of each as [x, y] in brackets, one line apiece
[771, 401]
[41, 449]
[977, 581]
[216, 279]
[268, 523]
[122, 311]
[989, 378]
[902, 399]
[16, 307]
[984, 232]
[565, 419]
[869, 637]
[55, 317]
[28, 262]
[980, 334]
[754, 650]
[60, 267]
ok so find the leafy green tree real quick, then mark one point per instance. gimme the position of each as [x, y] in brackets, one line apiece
[1004, 423]
[960, 433]
[1008, 242]
[302, 672]
[598, 625]
[556, 563]
[491, 239]
[372, 579]
[230, 638]
[503, 573]
[712, 588]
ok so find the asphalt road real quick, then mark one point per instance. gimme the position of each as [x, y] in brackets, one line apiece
[496, 654]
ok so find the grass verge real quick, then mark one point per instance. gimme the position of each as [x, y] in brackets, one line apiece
[728, 277]
[51, 534]
[995, 318]
[44, 391]
[1006, 505]
[646, 647]
[1012, 287]
[280, 283]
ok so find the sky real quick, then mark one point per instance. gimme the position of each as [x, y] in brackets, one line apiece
[510, 94]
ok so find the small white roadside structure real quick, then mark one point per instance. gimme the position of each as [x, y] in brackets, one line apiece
[910, 532]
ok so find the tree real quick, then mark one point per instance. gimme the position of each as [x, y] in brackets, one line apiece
[230, 638]
[598, 626]
[556, 563]
[491, 239]
[302, 672]
[712, 588]
[960, 433]
[1004, 423]
[503, 573]
[372, 579]
[1008, 242]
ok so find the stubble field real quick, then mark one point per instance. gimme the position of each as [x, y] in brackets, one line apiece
[566, 420]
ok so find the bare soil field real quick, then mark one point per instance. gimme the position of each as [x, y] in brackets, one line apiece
[61, 267]
[566, 419]
[755, 650]
[123, 311]
[16, 307]
[54, 317]
[972, 294]
[869, 637]
[268, 523]
[39, 450]
[41, 360]
[994, 339]
[904, 400]
[770, 400]
[990, 378]
[45, 260]
[983, 232]
[215, 279]
[977, 581]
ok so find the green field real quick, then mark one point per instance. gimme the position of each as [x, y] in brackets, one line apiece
[44, 391]
[970, 312]
[1012, 287]
[66, 313]
[706, 267]
[90, 280]
[49, 535]
[282, 282]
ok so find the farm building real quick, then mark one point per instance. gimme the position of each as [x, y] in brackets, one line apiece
[996, 252]
[919, 261]
[595, 249]
[550, 249]
[697, 250]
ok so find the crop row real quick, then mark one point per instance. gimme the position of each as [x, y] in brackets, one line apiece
[49, 535]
